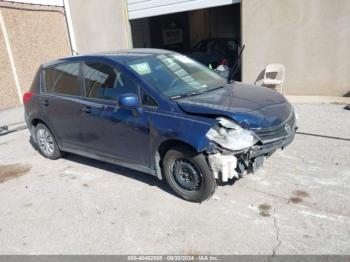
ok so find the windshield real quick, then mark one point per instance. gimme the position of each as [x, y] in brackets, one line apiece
[176, 75]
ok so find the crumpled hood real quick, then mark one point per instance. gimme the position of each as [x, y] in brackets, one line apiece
[251, 106]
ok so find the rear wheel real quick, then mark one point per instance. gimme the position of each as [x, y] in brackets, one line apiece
[46, 142]
[188, 174]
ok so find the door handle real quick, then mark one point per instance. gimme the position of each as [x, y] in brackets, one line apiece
[45, 102]
[86, 109]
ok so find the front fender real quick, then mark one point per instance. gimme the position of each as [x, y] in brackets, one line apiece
[193, 133]
[188, 129]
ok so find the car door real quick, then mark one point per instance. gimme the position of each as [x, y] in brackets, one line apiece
[61, 102]
[106, 129]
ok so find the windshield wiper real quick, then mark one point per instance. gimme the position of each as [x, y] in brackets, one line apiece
[185, 95]
[212, 89]
[195, 93]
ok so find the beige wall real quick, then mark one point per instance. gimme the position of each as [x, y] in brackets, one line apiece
[100, 25]
[37, 34]
[310, 37]
[8, 92]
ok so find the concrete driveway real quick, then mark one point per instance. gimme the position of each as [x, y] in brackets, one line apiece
[298, 204]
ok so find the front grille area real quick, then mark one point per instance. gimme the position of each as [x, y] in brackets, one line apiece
[271, 134]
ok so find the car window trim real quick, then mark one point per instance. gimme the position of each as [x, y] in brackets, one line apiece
[41, 80]
[148, 106]
[99, 100]
[62, 95]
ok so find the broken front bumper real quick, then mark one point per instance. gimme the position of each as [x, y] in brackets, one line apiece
[229, 166]
[266, 149]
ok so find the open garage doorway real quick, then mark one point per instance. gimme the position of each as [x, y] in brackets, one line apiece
[211, 36]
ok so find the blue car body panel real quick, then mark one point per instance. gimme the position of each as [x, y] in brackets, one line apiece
[113, 132]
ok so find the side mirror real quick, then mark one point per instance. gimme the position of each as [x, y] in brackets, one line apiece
[129, 101]
[132, 102]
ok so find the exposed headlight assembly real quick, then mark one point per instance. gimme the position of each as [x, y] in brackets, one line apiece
[231, 136]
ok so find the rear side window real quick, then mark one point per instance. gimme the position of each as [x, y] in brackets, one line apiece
[35, 87]
[63, 79]
[106, 82]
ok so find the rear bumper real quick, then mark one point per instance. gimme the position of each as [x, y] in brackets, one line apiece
[26, 120]
[30, 127]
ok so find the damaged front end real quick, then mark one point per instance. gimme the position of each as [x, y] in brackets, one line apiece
[235, 151]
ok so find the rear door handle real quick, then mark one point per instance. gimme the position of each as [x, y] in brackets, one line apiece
[86, 109]
[45, 102]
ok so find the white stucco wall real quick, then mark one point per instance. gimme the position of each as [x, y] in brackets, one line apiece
[100, 25]
[310, 37]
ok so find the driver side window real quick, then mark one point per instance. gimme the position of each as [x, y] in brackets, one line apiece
[106, 82]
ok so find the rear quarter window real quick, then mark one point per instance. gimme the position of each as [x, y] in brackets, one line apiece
[35, 87]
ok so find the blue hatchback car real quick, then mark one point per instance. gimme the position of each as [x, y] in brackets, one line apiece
[157, 112]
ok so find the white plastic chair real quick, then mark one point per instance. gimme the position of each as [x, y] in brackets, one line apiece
[274, 76]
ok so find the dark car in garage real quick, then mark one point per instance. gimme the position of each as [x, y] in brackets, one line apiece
[215, 51]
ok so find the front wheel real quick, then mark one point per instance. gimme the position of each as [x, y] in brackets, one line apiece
[188, 174]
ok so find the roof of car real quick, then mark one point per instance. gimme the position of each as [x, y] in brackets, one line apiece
[120, 56]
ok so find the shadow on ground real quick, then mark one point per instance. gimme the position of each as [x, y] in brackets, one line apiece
[118, 170]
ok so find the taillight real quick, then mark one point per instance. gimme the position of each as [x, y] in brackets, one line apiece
[27, 97]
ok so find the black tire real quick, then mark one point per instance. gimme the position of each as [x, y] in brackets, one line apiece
[198, 184]
[53, 152]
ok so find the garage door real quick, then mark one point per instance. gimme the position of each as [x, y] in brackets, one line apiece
[147, 8]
